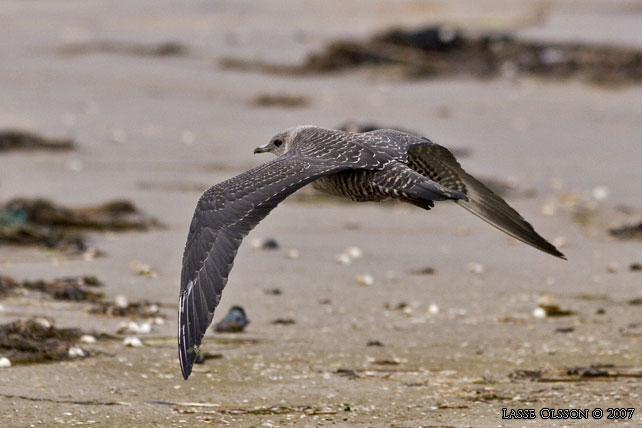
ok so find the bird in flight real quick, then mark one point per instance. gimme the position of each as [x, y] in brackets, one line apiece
[368, 166]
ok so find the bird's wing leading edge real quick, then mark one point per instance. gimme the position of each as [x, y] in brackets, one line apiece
[437, 163]
[225, 213]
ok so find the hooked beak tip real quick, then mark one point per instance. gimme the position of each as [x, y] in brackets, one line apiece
[260, 149]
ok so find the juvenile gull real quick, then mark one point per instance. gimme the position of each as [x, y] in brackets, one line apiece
[369, 166]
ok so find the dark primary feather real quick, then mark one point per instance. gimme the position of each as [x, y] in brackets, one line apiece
[440, 165]
[226, 213]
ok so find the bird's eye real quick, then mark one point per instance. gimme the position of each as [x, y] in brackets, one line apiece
[278, 143]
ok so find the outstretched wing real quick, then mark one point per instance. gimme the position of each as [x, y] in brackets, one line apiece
[440, 165]
[224, 215]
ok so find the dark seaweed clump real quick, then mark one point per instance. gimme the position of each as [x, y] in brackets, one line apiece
[76, 288]
[41, 222]
[139, 309]
[36, 340]
[628, 231]
[444, 51]
[13, 139]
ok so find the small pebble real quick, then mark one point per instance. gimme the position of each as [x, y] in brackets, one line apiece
[548, 209]
[475, 267]
[145, 328]
[354, 252]
[118, 135]
[234, 321]
[142, 269]
[365, 279]
[87, 338]
[633, 268]
[43, 322]
[121, 301]
[560, 241]
[133, 341]
[600, 193]
[424, 271]
[539, 312]
[292, 254]
[269, 244]
[343, 259]
[76, 352]
[74, 165]
[612, 267]
[4, 362]
[433, 309]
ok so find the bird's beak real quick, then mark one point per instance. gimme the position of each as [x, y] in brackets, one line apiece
[261, 149]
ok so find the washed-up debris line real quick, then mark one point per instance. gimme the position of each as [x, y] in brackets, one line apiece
[42, 222]
[629, 231]
[13, 139]
[163, 49]
[138, 309]
[579, 373]
[77, 288]
[36, 340]
[445, 51]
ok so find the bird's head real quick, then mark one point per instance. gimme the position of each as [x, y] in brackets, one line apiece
[282, 142]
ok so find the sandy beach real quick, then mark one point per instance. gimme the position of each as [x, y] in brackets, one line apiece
[454, 320]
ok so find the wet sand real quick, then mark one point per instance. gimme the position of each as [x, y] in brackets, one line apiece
[159, 129]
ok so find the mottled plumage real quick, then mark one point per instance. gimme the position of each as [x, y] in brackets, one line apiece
[369, 166]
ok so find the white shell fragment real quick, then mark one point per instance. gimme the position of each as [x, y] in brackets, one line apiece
[43, 322]
[121, 301]
[87, 338]
[433, 309]
[145, 328]
[354, 252]
[292, 253]
[365, 279]
[560, 241]
[143, 269]
[76, 352]
[539, 312]
[132, 327]
[343, 259]
[133, 341]
[548, 209]
[4, 362]
[475, 267]
[600, 193]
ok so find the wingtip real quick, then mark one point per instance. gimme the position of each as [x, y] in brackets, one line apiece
[187, 362]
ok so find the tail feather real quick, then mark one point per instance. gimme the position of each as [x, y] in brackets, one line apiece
[439, 164]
